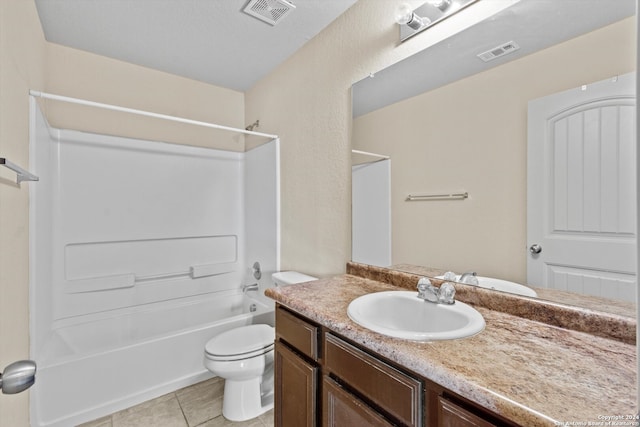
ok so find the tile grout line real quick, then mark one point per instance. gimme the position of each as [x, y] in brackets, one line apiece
[186, 421]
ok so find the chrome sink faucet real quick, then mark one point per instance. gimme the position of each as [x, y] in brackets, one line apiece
[443, 295]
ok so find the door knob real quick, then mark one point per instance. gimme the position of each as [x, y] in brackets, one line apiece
[18, 376]
[535, 249]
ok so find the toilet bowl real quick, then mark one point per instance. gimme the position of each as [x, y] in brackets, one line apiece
[244, 358]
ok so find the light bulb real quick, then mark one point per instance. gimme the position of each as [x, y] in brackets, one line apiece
[440, 4]
[405, 16]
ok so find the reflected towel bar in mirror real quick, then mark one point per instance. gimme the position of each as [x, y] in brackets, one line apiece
[450, 196]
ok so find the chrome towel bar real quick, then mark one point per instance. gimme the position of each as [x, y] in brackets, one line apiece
[23, 175]
[450, 196]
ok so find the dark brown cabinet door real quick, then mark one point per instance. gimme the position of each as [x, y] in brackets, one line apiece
[393, 391]
[296, 382]
[342, 409]
[452, 415]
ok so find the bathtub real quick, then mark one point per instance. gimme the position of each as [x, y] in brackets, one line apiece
[91, 369]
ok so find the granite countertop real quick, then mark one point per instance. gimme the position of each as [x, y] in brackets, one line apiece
[528, 371]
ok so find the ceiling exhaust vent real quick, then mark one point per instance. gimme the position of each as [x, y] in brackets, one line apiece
[269, 11]
[498, 51]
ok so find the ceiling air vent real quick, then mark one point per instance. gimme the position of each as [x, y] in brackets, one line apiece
[269, 11]
[498, 51]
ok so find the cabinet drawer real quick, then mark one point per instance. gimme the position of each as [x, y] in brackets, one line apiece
[452, 415]
[393, 391]
[297, 333]
[341, 408]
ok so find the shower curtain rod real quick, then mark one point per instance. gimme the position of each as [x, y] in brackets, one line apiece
[145, 113]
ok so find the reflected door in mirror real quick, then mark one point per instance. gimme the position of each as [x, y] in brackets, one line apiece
[582, 191]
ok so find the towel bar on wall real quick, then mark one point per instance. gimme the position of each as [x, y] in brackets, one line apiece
[22, 175]
[450, 196]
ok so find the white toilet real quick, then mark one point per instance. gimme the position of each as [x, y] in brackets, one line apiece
[244, 358]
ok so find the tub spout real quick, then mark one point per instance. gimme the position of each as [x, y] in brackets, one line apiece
[252, 287]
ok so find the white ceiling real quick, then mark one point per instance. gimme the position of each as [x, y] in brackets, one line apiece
[532, 24]
[215, 42]
[212, 41]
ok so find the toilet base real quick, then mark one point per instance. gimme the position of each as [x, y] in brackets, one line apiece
[243, 400]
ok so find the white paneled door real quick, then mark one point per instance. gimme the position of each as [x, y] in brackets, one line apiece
[581, 183]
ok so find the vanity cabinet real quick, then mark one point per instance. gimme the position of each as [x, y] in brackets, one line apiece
[296, 371]
[322, 379]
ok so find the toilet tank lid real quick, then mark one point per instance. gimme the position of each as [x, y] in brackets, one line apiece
[290, 277]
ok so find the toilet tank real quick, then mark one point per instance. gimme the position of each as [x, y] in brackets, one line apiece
[284, 278]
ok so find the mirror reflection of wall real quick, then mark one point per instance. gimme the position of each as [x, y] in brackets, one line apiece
[471, 135]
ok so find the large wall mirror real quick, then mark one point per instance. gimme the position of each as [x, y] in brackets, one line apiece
[445, 122]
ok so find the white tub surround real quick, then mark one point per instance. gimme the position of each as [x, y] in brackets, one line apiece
[139, 250]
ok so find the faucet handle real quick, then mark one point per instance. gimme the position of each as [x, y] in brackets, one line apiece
[450, 276]
[423, 285]
[447, 293]
[427, 291]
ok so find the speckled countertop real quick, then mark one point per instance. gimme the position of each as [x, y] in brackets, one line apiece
[528, 371]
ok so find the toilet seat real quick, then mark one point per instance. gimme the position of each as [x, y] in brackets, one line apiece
[241, 343]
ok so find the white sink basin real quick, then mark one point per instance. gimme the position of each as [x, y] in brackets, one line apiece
[402, 314]
[503, 285]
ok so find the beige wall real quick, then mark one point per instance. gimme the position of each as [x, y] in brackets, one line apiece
[79, 74]
[22, 52]
[471, 135]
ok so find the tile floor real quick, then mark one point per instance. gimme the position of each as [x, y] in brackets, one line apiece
[198, 405]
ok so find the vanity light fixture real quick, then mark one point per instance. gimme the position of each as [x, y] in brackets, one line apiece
[440, 4]
[430, 13]
[406, 16]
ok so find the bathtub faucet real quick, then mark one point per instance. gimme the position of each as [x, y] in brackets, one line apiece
[247, 288]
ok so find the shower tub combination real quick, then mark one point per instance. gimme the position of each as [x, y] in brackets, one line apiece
[139, 253]
[106, 365]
